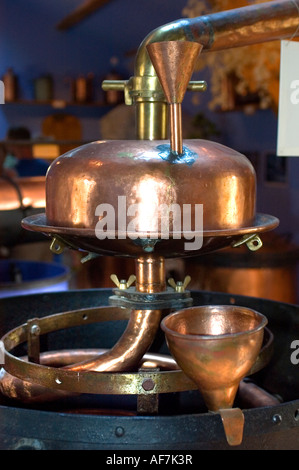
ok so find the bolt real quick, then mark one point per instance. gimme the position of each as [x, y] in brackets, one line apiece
[119, 431]
[148, 384]
[276, 419]
[35, 330]
[28, 444]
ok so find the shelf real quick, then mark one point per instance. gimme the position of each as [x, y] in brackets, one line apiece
[47, 149]
[57, 104]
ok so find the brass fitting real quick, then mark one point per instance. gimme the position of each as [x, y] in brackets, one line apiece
[253, 242]
[179, 286]
[123, 284]
[151, 110]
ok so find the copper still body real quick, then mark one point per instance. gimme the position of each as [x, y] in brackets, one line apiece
[158, 178]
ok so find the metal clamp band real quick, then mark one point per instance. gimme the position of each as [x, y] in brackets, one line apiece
[98, 382]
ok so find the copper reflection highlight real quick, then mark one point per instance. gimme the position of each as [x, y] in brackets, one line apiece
[150, 274]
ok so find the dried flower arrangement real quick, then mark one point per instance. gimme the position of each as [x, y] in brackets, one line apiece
[250, 71]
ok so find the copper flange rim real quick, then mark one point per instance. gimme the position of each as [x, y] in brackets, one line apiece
[123, 244]
[92, 382]
[38, 223]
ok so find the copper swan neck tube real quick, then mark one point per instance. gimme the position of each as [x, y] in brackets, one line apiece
[228, 29]
[142, 326]
[219, 31]
[123, 356]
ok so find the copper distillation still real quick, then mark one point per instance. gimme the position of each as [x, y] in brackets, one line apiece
[213, 347]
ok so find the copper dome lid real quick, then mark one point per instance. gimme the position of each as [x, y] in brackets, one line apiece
[140, 183]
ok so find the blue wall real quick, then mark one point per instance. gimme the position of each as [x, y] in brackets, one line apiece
[30, 43]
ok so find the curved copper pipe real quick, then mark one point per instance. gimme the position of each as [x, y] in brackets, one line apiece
[244, 26]
[27, 392]
[67, 357]
[124, 355]
[130, 348]
[142, 326]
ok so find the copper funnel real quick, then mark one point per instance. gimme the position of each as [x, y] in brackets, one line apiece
[174, 63]
[216, 346]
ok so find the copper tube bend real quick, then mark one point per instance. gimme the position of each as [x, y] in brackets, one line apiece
[123, 356]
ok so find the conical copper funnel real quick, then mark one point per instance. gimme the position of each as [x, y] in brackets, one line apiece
[174, 63]
[216, 346]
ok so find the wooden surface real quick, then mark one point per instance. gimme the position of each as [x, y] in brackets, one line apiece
[80, 13]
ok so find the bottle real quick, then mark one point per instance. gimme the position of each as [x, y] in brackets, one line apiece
[10, 85]
[83, 88]
[43, 88]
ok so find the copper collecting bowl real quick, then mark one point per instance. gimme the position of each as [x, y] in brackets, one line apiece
[119, 175]
[215, 346]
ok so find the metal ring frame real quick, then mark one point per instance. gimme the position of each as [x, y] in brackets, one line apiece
[90, 381]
